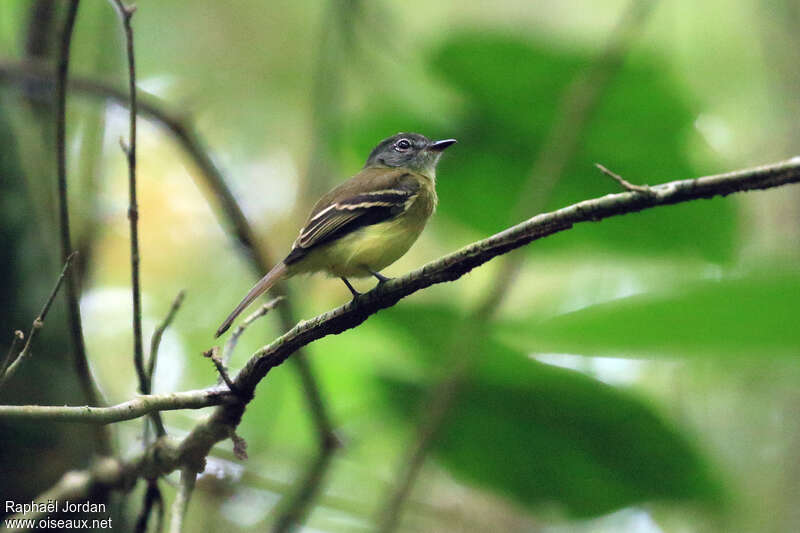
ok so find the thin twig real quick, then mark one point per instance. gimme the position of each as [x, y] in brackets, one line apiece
[129, 149]
[11, 355]
[455, 265]
[230, 346]
[147, 384]
[213, 354]
[90, 394]
[625, 184]
[155, 340]
[182, 498]
[162, 458]
[139, 406]
[38, 322]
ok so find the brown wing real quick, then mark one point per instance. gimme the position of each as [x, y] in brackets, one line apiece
[372, 196]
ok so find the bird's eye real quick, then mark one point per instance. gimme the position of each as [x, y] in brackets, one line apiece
[403, 145]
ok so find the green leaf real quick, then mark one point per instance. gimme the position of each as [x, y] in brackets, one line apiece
[752, 315]
[511, 91]
[543, 435]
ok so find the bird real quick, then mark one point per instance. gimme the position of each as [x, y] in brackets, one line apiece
[366, 223]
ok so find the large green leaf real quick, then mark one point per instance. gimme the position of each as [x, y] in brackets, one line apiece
[543, 435]
[511, 90]
[751, 315]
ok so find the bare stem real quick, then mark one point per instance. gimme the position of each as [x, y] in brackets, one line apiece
[155, 341]
[139, 406]
[625, 184]
[129, 148]
[11, 355]
[230, 346]
[213, 354]
[38, 323]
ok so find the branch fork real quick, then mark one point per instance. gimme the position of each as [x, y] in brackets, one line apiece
[625, 184]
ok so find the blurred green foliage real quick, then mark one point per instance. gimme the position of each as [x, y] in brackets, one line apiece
[291, 99]
[542, 434]
[710, 317]
[510, 89]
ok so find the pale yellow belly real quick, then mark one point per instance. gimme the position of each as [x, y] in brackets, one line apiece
[370, 248]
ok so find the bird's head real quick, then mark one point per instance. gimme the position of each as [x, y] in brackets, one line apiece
[409, 150]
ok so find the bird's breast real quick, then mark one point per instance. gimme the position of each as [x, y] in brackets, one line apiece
[374, 247]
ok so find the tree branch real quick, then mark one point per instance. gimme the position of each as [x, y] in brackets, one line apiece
[73, 310]
[230, 346]
[139, 406]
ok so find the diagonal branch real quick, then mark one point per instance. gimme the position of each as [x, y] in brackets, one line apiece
[155, 343]
[447, 268]
[230, 346]
[455, 265]
[38, 323]
[11, 355]
[625, 184]
[155, 340]
[162, 458]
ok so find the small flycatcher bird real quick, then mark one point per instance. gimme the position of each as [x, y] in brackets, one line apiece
[366, 223]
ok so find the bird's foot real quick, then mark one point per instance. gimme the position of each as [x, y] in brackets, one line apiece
[380, 277]
[353, 291]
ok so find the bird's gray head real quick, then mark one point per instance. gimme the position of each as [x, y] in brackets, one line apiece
[410, 150]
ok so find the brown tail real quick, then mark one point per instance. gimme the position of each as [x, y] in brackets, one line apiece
[263, 285]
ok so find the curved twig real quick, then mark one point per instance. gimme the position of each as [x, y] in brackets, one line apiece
[85, 378]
